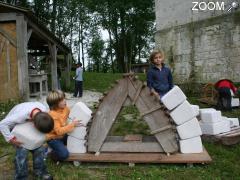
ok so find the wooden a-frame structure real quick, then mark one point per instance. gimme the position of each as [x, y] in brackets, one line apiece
[149, 108]
[149, 149]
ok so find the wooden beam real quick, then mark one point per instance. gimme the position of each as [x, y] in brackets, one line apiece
[106, 115]
[151, 110]
[8, 62]
[53, 54]
[45, 36]
[137, 94]
[8, 17]
[131, 147]
[22, 57]
[2, 45]
[6, 35]
[161, 129]
[143, 158]
[29, 33]
[156, 119]
[67, 69]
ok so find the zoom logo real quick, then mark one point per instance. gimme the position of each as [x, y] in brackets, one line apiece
[211, 6]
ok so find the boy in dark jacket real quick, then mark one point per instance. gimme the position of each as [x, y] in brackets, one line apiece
[159, 77]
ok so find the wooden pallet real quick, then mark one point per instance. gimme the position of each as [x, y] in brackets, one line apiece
[198, 158]
[228, 138]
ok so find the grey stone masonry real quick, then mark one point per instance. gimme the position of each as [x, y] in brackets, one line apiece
[203, 50]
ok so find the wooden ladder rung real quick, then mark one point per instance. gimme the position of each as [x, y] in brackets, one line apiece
[151, 110]
[137, 94]
[161, 129]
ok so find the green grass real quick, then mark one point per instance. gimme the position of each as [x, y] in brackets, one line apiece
[225, 164]
[100, 82]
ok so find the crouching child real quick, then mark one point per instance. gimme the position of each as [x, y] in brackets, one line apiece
[37, 113]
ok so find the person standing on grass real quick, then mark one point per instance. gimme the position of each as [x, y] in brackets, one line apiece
[159, 77]
[21, 113]
[78, 81]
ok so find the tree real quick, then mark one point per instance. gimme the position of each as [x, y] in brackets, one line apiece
[95, 52]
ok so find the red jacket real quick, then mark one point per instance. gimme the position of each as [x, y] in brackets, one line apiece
[227, 84]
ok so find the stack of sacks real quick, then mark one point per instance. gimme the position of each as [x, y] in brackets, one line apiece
[76, 139]
[234, 101]
[212, 122]
[234, 122]
[32, 139]
[184, 116]
[195, 109]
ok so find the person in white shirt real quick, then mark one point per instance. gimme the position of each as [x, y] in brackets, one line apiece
[21, 113]
[78, 81]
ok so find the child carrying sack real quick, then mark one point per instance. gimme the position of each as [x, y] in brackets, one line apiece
[27, 134]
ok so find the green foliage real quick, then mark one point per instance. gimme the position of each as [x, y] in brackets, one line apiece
[95, 53]
[129, 122]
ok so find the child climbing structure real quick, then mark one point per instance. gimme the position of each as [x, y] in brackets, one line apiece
[174, 128]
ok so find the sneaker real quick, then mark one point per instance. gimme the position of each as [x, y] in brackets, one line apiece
[45, 176]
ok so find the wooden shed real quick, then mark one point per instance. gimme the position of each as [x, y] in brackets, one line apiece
[23, 37]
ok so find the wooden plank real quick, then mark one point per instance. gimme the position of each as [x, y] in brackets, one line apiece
[106, 115]
[2, 45]
[151, 110]
[8, 17]
[161, 129]
[6, 35]
[142, 157]
[29, 33]
[121, 138]
[133, 137]
[67, 70]
[156, 119]
[137, 94]
[22, 56]
[132, 146]
[53, 54]
[8, 62]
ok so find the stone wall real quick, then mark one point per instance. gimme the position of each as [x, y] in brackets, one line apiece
[171, 13]
[203, 51]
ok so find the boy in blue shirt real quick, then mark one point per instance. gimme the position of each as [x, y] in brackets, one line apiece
[159, 77]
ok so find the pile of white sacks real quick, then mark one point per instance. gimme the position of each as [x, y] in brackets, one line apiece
[76, 142]
[184, 115]
[212, 122]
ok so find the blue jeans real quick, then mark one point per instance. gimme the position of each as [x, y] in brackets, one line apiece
[59, 151]
[21, 162]
[78, 89]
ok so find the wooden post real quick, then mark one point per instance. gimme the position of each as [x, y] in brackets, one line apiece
[53, 54]
[22, 57]
[68, 70]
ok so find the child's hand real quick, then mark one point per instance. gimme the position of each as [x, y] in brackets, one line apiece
[77, 123]
[154, 93]
[15, 142]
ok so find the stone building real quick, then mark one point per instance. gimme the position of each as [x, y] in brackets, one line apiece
[201, 45]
